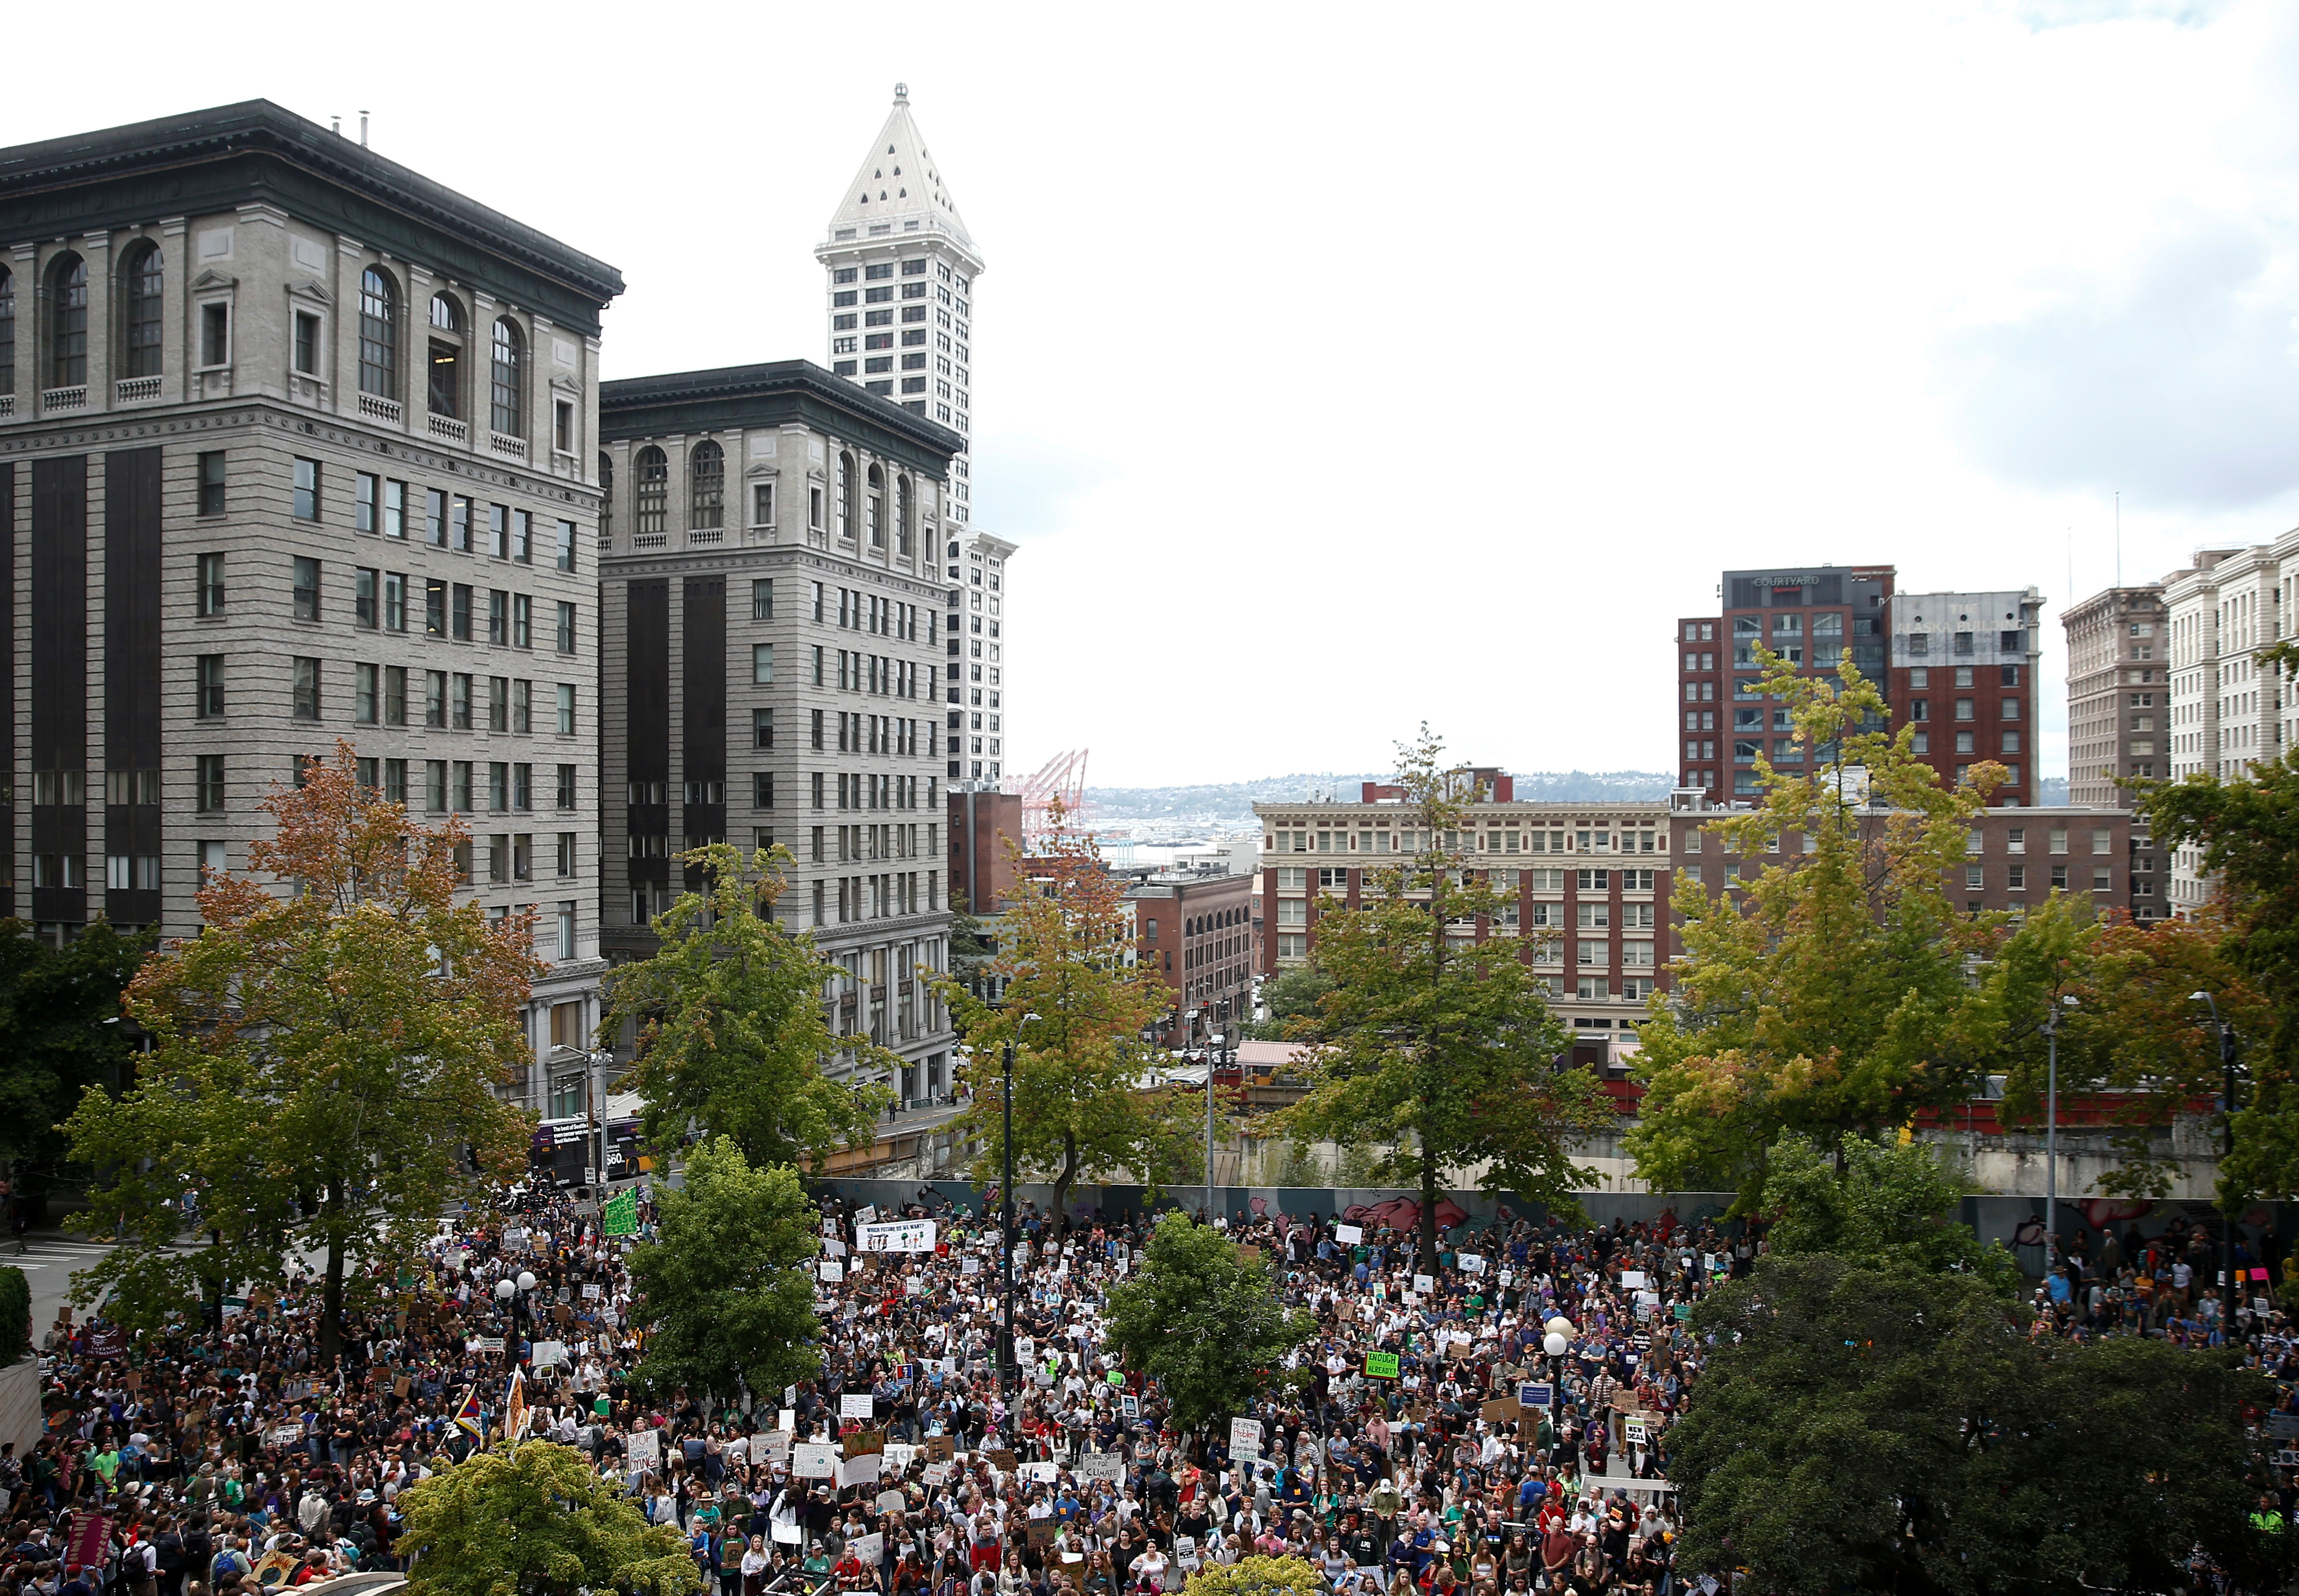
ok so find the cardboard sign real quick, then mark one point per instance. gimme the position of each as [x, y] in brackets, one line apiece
[940, 1449]
[1102, 1466]
[1632, 1280]
[1348, 1235]
[1472, 1263]
[1501, 1408]
[969, 1265]
[1633, 1431]
[938, 1474]
[856, 1404]
[865, 1441]
[1129, 1406]
[892, 1501]
[1424, 1285]
[863, 1470]
[811, 1461]
[1245, 1437]
[1041, 1531]
[1000, 1458]
[549, 1354]
[831, 1271]
[643, 1446]
[1380, 1366]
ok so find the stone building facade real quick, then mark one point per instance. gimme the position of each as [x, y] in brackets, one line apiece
[294, 447]
[775, 658]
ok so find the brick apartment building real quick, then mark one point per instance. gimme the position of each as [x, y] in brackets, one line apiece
[1199, 932]
[1591, 883]
[1960, 667]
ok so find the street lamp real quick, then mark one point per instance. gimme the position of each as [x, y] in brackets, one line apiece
[1556, 1343]
[2051, 1126]
[2226, 1222]
[1213, 1056]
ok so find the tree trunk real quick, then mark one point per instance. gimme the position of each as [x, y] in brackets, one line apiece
[1064, 1181]
[331, 1301]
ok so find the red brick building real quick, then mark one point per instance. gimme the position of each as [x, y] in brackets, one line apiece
[981, 865]
[1199, 932]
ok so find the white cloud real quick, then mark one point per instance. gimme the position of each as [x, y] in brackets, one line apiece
[2176, 380]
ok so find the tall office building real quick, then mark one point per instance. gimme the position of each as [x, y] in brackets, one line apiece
[1960, 667]
[902, 271]
[294, 447]
[772, 660]
[2118, 701]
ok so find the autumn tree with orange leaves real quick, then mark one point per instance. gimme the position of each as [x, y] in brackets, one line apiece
[327, 1054]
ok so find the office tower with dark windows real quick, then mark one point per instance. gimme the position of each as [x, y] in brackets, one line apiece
[295, 445]
[775, 657]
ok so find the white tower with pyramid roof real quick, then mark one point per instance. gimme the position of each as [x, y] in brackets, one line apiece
[901, 269]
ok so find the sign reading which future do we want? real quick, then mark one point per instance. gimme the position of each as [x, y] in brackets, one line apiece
[896, 1236]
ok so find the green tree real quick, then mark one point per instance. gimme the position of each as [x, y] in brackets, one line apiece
[61, 1032]
[1828, 995]
[2248, 830]
[1256, 1577]
[329, 1054]
[732, 1025]
[971, 949]
[1896, 1429]
[1295, 995]
[1890, 1204]
[15, 1315]
[1436, 1040]
[727, 1284]
[1075, 1005]
[1203, 1321]
[537, 1521]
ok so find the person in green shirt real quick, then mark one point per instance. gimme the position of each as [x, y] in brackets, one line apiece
[103, 1457]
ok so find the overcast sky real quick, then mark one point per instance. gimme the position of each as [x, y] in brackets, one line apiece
[1339, 367]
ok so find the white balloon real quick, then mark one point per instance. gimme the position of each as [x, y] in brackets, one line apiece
[1555, 1344]
[1559, 1325]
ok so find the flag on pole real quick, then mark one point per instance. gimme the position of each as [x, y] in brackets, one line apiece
[515, 1413]
[468, 1415]
[620, 1217]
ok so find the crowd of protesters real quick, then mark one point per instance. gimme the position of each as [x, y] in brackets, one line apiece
[223, 1460]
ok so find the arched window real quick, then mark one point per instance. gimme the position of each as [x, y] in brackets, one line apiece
[68, 332]
[876, 512]
[607, 491]
[379, 334]
[846, 497]
[706, 481]
[903, 507]
[655, 489]
[142, 281]
[7, 331]
[445, 384]
[507, 414]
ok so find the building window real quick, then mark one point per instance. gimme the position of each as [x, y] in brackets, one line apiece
[307, 490]
[846, 494]
[215, 333]
[363, 696]
[307, 589]
[307, 689]
[207, 782]
[307, 343]
[379, 334]
[762, 728]
[653, 489]
[706, 481]
[461, 682]
[208, 685]
[462, 613]
[762, 504]
[211, 584]
[565, 794]
[506, 412]
[143, 279]
[563, 426]
[566, 560]
[762, 663]
[566, 627]
[762, 599]
[68, 324]
[7, 331]
[567, 710]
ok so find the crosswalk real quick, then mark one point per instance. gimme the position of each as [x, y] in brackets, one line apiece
[45, 1252]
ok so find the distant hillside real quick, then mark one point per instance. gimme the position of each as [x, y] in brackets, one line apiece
[1231, 802]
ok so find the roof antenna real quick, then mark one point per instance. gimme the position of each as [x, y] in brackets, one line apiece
[362, 129]
[337, 123]
[2119, 537]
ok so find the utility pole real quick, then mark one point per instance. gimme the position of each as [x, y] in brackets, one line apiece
[2226, 1222]
[1006, 1236]
[2051, 1129]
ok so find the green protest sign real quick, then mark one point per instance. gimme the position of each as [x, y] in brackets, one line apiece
[1380, 1366]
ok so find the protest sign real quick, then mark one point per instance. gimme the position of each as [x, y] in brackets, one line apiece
[1245, 1437]
[1102, 1466]
[896, 1236]
[810, 1460]
[1380, 1366]
[1348, 1235]
[855, 1404]
[643, 1446]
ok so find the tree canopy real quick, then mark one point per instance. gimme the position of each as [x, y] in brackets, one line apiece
[725, 1285]
[1828, 994]
[1891, 1205]
[537, 1521]
[1074, 1005]
[733, 1030]
[1256, 1577]
[1435, 1040]
[328, 1051]
[61, 1031]
[1203, 1321]
[1893, 1428]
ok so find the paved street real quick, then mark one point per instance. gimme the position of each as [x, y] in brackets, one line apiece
[48, 1266]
